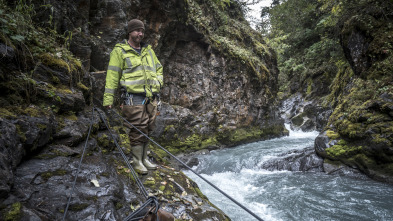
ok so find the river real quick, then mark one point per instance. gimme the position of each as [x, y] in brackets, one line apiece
[285, 195]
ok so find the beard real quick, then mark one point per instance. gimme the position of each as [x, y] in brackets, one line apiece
[136, 39]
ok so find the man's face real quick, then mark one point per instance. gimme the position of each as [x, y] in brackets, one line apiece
[136, 36]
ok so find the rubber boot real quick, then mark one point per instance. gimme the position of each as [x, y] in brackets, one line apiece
[137, 154]
[149, 165]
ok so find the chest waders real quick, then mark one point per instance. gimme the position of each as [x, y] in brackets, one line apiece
[141, 111]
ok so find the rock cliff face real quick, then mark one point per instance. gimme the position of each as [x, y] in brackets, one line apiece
[220, 78]
[220, 87]
[359, 131]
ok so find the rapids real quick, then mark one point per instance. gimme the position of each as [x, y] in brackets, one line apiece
[286, 195]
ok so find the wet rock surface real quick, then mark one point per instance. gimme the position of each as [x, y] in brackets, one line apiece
[104, 190]
[306, 160]
[342, 158]
[304, 115]
[297, 160]
[336, 168]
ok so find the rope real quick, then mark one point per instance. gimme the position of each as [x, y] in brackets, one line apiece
[137, 180]
[185, 165]
[79, 166]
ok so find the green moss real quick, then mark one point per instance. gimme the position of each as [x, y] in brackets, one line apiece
[78, 206]
[249, 134]
[227, 37]
[333, 162]
[63, 89]
[309, 86]
[52, 61]
[60, 123]
[104, 174]
[47, 175]
[82, 86]
[199, 193]
[149, 182]
[6, 113]
[20, 133]
[71, 116]
[14, 213]
[55, 80]
[332, 134]
[162, 188]
[197, 142]
[104, 141]
[92, 198]
[125, 143]
[342, 149]
[57, 153]
[342, 78]
[381, 139]
[118, 205]
[124, 140]
[298, 120]
[33, 111]
[42, 126]
[191, 143]
[123, 170]
[74, 63]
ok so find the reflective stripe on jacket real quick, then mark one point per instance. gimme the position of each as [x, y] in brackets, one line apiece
[139, 73]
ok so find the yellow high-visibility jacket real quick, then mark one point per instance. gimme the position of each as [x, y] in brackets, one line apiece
[139, 73]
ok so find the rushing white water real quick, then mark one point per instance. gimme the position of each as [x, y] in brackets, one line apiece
[285, 195]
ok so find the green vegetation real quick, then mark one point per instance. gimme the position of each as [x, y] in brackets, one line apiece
[306, 34]
[78, 206]
[342, 149]
[14, 213]
[104, 141]
[307, 47]
[225, 33]
[195, 141]
[35, 44]
[313, 39]
[46, 175]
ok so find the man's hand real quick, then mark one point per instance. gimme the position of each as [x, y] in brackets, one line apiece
[109, 107]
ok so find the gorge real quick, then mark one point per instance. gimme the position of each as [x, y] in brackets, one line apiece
[226, 85]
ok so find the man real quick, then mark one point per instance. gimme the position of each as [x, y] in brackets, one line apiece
[135, 66]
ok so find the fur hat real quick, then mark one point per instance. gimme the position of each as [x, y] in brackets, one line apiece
[135, 24]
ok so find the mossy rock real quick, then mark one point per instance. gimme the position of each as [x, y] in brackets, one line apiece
[242, 135]
[47, 175]
[298, 120]
[78, 206]
[342, 150]
[14, 213]
[53, 61]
